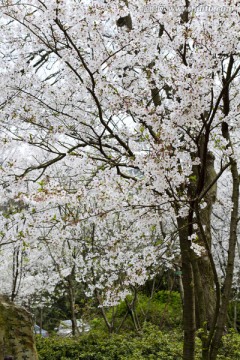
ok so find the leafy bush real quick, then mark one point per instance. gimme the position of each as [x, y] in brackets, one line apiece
[230, 346]
[152, 344]
[163, 310]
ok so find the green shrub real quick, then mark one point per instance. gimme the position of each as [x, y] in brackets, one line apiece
[163, 310]
[231, 346]
[152, 344]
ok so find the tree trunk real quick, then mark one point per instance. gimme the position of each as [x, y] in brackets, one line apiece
[204, 265]
[235, 315]
[227, 286]
[71, 294]
[230, 264]
[189, 293]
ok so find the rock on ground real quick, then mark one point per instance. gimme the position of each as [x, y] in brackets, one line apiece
[16, 332]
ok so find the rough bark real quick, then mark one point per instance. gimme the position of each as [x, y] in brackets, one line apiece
[227, 286]
[16, 332]
[222, 317]
[189, 294]
[204, 265]
[202, 178]
[71, 296]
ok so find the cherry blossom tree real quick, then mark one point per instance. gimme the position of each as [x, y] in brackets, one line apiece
[109, 255]
[143, 92]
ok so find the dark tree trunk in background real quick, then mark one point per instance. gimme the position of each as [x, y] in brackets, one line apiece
[189, 324]
[227, 286]
[204, 265]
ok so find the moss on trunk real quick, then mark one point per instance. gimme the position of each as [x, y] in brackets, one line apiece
[16, 332]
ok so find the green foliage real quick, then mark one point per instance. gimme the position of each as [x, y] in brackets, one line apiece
[164, 310]
[161, 337]
[230, 346]
[152, 344]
